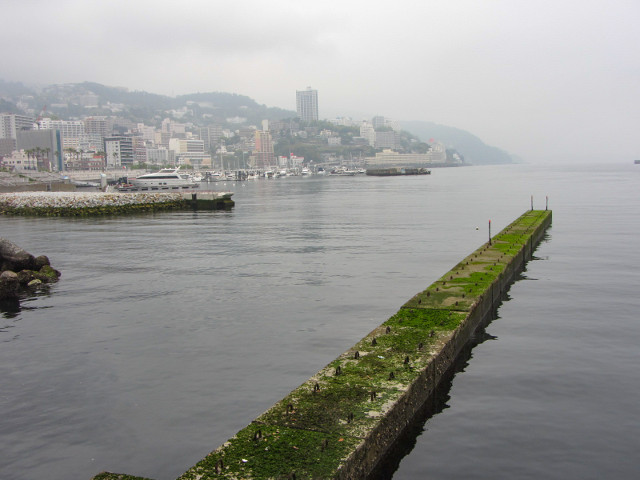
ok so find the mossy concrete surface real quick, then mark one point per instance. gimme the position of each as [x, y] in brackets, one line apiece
[117, 476]
[341, 422]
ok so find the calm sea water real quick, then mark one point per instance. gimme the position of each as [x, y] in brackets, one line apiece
[168, 333]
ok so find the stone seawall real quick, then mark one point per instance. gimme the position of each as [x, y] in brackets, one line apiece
[74, 204]
[344, 420]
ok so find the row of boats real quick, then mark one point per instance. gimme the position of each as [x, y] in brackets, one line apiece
[174, 179]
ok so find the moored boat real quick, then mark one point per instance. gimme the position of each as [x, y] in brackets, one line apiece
[165, 179]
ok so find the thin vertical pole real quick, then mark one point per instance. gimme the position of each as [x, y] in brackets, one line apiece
[531, 202]
[546, 206]
[489, 232]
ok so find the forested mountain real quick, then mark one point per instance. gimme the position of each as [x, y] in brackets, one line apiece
[79, 100]
[69, 101]
[475, 151]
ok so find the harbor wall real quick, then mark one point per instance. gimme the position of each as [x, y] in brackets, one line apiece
[343, 422]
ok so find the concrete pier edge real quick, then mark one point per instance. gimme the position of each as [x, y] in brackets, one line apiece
[81, 205]
[345, 419]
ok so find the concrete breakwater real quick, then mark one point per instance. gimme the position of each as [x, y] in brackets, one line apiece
[345, 419]
[99, 203]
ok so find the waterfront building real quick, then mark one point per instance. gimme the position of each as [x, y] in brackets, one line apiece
[390, 158]
[307, 105]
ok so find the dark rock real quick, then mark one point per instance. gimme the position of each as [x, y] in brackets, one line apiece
[14, 258]
[32, 272]
[25, 276]
[9, 284]
[41, 261]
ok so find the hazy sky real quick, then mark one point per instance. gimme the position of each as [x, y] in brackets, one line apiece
[541, 79]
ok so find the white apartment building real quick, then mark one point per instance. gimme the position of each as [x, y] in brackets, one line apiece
[11, 124]
[367, 131]
[307, 105]
[119, 151]
[71, 130]
[389, 158]
[189, 152]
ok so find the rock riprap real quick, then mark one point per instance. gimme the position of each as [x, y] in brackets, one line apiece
[89, 203]
[20, 270]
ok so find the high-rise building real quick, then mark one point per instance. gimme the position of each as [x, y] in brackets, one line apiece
[119, 151]
[11, 124]
[211, 135]
[97, 126]
[367, 131]
[378, 121]
[71, 130]
[263, 152]
[307, 105]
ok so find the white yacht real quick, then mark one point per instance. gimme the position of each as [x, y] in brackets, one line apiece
[167, 177]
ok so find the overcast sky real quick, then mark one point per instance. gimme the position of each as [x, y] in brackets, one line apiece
[541, 79]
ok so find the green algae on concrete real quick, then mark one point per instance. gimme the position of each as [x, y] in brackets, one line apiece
[330, 425]
[342, 421]
[117, 476]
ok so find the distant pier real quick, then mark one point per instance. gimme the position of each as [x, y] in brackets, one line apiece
[396, 171]
[64, 204]
[343, 422]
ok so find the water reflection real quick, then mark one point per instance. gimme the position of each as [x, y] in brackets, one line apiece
[9, 307]
[434, 405]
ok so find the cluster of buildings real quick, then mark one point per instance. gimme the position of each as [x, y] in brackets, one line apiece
[97, 143]
[113, 142]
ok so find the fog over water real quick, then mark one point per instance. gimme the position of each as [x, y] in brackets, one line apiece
[168, 333]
